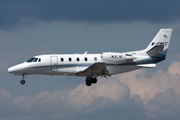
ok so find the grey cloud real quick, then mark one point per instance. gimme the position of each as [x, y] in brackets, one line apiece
[136, 95]
[166, 104]
[79, 103]
[101, 11]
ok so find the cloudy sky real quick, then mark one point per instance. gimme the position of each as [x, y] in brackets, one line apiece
[29, 28]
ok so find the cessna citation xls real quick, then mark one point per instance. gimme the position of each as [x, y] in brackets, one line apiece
[93, 65]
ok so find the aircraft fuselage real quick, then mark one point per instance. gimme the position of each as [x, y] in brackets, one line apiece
[93, 65]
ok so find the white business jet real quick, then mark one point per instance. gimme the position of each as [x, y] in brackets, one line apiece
[93, 65]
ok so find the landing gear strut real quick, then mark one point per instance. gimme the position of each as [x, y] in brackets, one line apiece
[23, 81]
[90, 80]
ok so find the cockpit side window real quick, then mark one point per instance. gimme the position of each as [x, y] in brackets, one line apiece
[39, 60]
[30, 60]
[35, 60]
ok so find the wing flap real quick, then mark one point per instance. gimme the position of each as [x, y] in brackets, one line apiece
[97, 68]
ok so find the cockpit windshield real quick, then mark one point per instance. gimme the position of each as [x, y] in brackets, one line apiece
[33, 59]
[30, 60]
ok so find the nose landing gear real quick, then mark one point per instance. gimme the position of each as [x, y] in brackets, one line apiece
[23, 81]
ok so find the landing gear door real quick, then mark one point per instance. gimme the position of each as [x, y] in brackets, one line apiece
[54, 63]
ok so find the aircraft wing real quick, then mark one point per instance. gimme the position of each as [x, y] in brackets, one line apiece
[97, 68]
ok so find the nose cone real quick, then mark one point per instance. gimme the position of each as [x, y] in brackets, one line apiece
[13, 70]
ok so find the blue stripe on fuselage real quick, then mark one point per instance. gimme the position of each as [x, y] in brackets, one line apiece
[154, 59]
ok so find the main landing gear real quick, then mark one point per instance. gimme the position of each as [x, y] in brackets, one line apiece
[23, 81]
[90, 80]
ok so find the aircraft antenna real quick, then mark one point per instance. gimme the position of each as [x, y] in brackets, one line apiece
[137, 41]
[86, 52]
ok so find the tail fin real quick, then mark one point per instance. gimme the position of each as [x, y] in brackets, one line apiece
[160, 43]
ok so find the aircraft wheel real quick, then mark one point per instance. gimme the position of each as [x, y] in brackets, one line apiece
[88, 83]
[22, 82]
[94, 80]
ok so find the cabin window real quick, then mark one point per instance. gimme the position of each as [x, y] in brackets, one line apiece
[62, 59]
[85, 59]
[95, 58]
[39, 60]
[77, 59]
[70, 59]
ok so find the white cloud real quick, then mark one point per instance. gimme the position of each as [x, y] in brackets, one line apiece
[84, 96]
[4, 95]
[147, 85]
[134, 95]
[42, 94]
[174, 68]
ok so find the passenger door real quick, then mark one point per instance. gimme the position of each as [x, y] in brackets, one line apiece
[54, 63]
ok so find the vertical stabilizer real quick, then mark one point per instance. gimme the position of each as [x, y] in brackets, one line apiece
[160, 42]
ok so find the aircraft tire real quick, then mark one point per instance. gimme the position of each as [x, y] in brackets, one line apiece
[22, 82]
[94, 80]
[88, 83]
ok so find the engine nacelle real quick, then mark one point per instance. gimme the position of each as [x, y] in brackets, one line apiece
[115, 58]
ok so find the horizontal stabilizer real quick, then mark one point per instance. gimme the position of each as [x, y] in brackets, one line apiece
[147, 65]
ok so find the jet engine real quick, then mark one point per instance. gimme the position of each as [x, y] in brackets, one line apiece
[117, 58]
